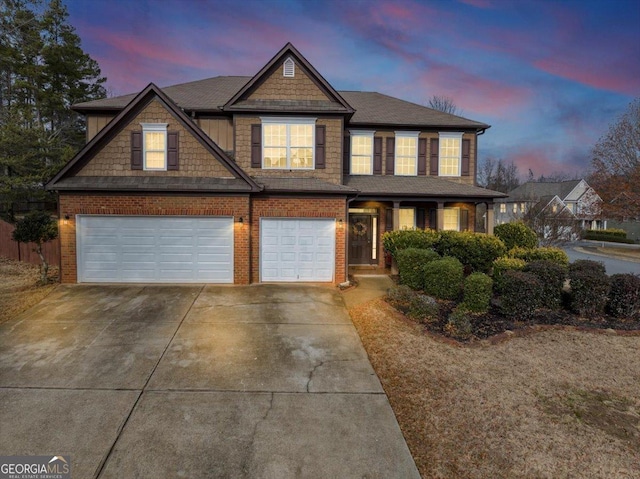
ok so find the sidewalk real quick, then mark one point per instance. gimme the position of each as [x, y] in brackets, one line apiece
[369, 288]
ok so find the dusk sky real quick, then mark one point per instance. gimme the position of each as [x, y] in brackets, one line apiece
[549, 76]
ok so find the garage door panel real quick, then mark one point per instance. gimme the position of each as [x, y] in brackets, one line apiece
[155, 249]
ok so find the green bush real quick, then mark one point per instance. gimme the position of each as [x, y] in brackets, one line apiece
[516, 235]
[552, 276]
[476, 250]
[555, 255]
[478, 289]
[400, 297]
[605, 235]
[611, 232]
[589, 287]
[459, 324]
[415, 305]
[443, 278]
[410, 264]
[624, 296]
[521, 295]
[503, 264]
[393, 241]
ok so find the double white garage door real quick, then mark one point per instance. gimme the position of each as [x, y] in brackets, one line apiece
[189, 249]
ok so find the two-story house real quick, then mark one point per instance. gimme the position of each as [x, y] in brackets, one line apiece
[275, 177]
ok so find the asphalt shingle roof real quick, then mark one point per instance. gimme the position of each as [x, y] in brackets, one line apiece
[534, 190]
[152, 183]
[303, 185]
[416, 186]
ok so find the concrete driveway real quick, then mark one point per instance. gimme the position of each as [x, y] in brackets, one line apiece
[263, 381]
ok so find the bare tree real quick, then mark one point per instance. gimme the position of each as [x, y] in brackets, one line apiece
[444, 104]
[498, 175]
[553, 223]
[616, 165]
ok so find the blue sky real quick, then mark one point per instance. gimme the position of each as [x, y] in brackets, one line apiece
[549, 76]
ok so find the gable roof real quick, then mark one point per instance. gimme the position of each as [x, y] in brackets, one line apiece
[239, 100]
[535, 190]
[127, 114]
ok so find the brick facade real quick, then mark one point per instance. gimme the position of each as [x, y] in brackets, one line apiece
[115, 158]
[299, 208]
[101, 204]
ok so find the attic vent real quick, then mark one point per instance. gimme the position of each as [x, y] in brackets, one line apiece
[289, 68]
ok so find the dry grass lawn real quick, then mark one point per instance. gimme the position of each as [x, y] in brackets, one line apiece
[552, 404]
[624, 252]
[20, 288]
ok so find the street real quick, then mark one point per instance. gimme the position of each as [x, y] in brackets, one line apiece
[612, 265]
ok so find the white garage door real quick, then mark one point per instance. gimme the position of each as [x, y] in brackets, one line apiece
[154, 249]
[297, 249]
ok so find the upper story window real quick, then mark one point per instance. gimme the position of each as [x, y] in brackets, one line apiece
[288, 143]
[515, 207]
[361, 152]
[406, 160]
[450, 154]
[154, 146]
[503, 207]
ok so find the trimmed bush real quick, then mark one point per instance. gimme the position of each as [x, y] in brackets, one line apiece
[394, 241]
[624, 296]
[400, 297]
[608, 233]
[478, 289]
[459, 324]
[503, 264]
[476, 250]
[552, 276]
[410, 263]
[423, 308]
[521, 295]
[443, 278]
[555, 255]
[589, 287]
[595, 236]
[516, 235]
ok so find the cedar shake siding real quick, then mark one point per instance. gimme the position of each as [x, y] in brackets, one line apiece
[115, 158]
[332, 151]
[278, 87]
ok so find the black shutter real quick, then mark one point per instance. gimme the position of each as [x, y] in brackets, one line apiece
[377, 156]
[433, 219]
[256, 146]
[346, 156]
[388, 219]
[172, 150]
[420, 218]
[466, 154]
[136, 150]
[390, 157]
[464, 219]
[422, 156]
[320, 147]
[433, 159]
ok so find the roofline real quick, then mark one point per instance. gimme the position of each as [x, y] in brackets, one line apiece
[475, 128]
[142, 191]
[289, 48]
[145, 97]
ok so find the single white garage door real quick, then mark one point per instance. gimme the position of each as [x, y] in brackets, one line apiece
[297, 249]
[154, 249]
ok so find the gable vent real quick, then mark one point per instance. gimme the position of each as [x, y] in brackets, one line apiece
[289, 68]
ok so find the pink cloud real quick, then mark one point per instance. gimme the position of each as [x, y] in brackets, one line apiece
[478, 3]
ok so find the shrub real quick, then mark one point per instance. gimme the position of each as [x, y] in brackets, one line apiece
[400, 297]
[516, 235]
[552, 277]
[555, 255]
[410, 264]
[477, 292]
[38, 228]
[476, 250]
[597, 236]
[521, 294]
[393, 241]
[423, 308]
[610, 232]
[459, 324]
[589, 287]
[624, 296]
[443, 278]
[503, 264]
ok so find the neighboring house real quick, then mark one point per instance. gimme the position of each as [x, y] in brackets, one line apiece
[275, 177]
[574, 200]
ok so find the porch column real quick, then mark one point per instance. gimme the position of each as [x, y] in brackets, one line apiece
[490, 219]
[440, 216]
[396, 215]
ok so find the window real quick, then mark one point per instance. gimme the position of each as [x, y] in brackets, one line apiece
[451, 219]
[289, 68]
[554, 208]
[522, 207]
[503, 207]
[154, 146]
[407, 218]
[570, 207]
[515, 207]
[288, 144]
[406, 161]
[450, 158]
[361, 152]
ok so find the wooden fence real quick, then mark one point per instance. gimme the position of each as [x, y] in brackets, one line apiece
[24, 251]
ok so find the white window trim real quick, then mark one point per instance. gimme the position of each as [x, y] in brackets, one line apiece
[290, 121]
[369, 133]
[406, 134]
[153, 127]
[459, 217]
[454, 135]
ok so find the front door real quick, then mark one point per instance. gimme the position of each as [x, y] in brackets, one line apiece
[362, 239]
